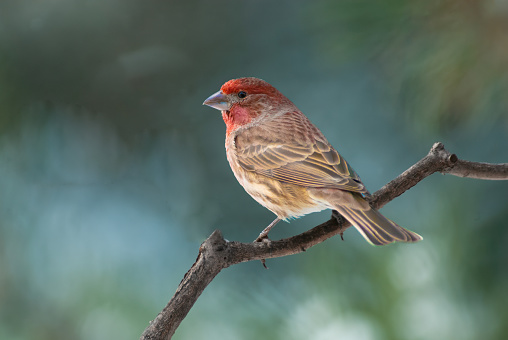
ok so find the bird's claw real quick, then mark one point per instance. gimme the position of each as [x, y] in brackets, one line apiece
[263, 262]
[263, 238]
[340, 219]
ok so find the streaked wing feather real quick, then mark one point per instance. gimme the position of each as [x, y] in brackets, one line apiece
[315, 164]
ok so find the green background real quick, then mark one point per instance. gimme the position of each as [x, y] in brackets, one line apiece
[112, 172]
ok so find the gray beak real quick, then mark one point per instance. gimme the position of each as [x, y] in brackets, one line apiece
[218, 101]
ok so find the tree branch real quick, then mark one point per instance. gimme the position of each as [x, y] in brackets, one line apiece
[216, 253]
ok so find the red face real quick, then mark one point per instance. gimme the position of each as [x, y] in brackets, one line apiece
[244, 99]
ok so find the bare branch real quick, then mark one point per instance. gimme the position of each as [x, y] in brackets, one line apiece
[216, 253]
[479, 170]
[203, 271]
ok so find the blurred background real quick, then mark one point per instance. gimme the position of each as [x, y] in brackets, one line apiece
[112, 172]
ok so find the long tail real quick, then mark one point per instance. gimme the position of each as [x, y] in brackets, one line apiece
[375, 228]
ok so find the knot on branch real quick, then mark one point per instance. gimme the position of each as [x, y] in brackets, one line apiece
[437, 147]
[215, 248]
[446, 159]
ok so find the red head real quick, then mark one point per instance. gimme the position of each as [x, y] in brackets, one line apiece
[250, 86]
[244, 99]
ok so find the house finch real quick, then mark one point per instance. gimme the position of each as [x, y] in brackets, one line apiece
[286, 164]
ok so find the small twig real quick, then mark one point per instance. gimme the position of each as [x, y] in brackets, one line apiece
[216, 253]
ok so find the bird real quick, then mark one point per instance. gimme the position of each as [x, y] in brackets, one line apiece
[288, 166]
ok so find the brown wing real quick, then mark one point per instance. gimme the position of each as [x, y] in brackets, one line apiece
[283, 150]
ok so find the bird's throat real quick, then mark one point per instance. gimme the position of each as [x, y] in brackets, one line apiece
[236, 117]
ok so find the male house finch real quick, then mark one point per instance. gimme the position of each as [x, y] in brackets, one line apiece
[286, 164]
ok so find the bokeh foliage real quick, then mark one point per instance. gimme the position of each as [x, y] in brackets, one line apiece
[112, 173]
[448, 60]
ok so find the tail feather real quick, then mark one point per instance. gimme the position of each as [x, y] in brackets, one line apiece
[375, 228]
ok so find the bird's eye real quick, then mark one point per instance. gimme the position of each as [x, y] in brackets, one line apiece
[242, 94]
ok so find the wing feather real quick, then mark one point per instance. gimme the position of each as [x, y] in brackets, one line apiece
[294, 157]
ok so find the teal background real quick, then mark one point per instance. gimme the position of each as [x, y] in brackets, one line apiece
[112, 172]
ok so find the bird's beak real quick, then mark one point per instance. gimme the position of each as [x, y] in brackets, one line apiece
[218, 101]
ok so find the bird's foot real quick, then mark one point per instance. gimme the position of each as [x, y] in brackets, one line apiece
[340, 219]
[263, 238]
